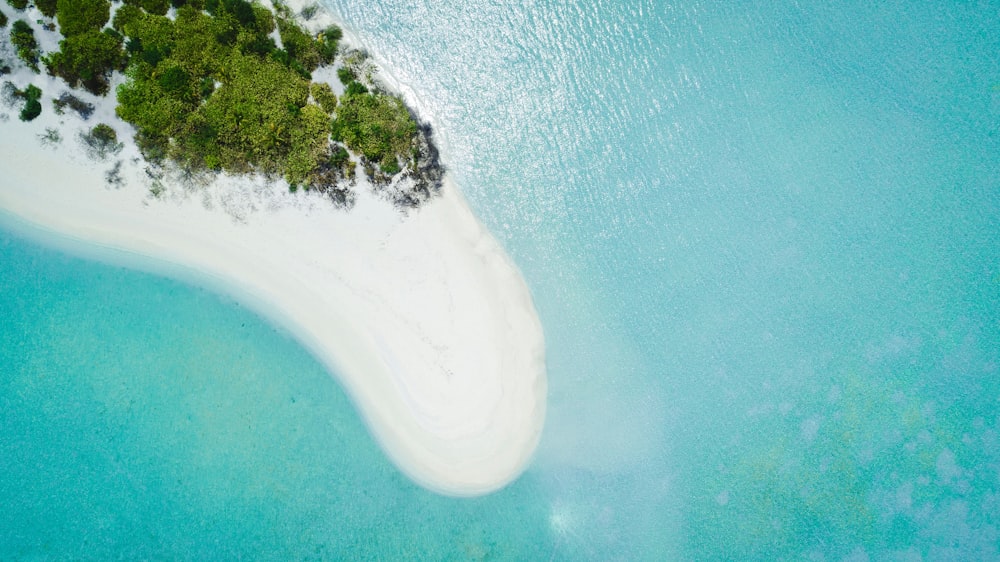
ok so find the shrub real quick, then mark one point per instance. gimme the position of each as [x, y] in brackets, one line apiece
[87, 58]
[124, 16]
[355, 89]
[101, 141]
[158, 7]
[263, 20]
[3, 19]
[18, 4]
[23, 39]
[346, 75]
[176, 83]
[376, 125]
[32, 107]
[299, 44]
[328, 42]
[324, 96]
[46, 7]
[78, 16]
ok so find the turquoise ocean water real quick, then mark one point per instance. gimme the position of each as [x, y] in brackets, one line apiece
[762, 239]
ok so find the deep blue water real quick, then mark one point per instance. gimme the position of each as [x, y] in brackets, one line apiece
[762, 241]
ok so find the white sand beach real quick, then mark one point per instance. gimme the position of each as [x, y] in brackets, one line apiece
[423, 318]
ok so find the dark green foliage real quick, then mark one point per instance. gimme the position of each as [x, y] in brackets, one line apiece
[78, 16]
[346, 75]
[125, 15]
[242, 10]
[157, 7]
[263, 20]
[176, 83]
[300, 46]
[82, 108]
[327, 44]
[355, 89]
[23, 39]
[378, 126]
[214, 91]
[32, 107]
[3, 19]
[18, 4]
[46, 7]
[87, 59]
[339, 157]
[323, 95]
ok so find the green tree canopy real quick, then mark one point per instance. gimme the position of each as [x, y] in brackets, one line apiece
[23, 39]
[78, 16]
[46, 7]
[88, 59]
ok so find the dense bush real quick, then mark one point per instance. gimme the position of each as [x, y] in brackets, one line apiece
[3, 19]
[157, 7]
[87, 58]
[299, 45]
[32, 107]
[377, 126]
[48, 8]
[257, 119]
[324, 96]
[78, 16]
[23, 39]
[346, 75]
[18, 4]
[212, 90]
[328, 42]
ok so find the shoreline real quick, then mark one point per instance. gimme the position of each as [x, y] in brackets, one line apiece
[422, 317]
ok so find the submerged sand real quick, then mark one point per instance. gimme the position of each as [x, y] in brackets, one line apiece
[421, 316]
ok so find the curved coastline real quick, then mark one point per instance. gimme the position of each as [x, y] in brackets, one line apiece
[422, 317]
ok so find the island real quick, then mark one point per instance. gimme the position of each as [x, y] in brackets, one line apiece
[247, 147]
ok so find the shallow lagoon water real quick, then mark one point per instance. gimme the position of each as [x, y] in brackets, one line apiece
[761, 239]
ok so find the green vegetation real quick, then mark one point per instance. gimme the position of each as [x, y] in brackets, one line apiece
[101, 141]
[324, 96]
[375, 125]
[23, 39]
[300, 47]
[214, 91]
[87, 59]
[3, 19]
[208, 88]
[156, 7]
[32, 107]
[79, 16]
[48, 8]
[18, 4]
